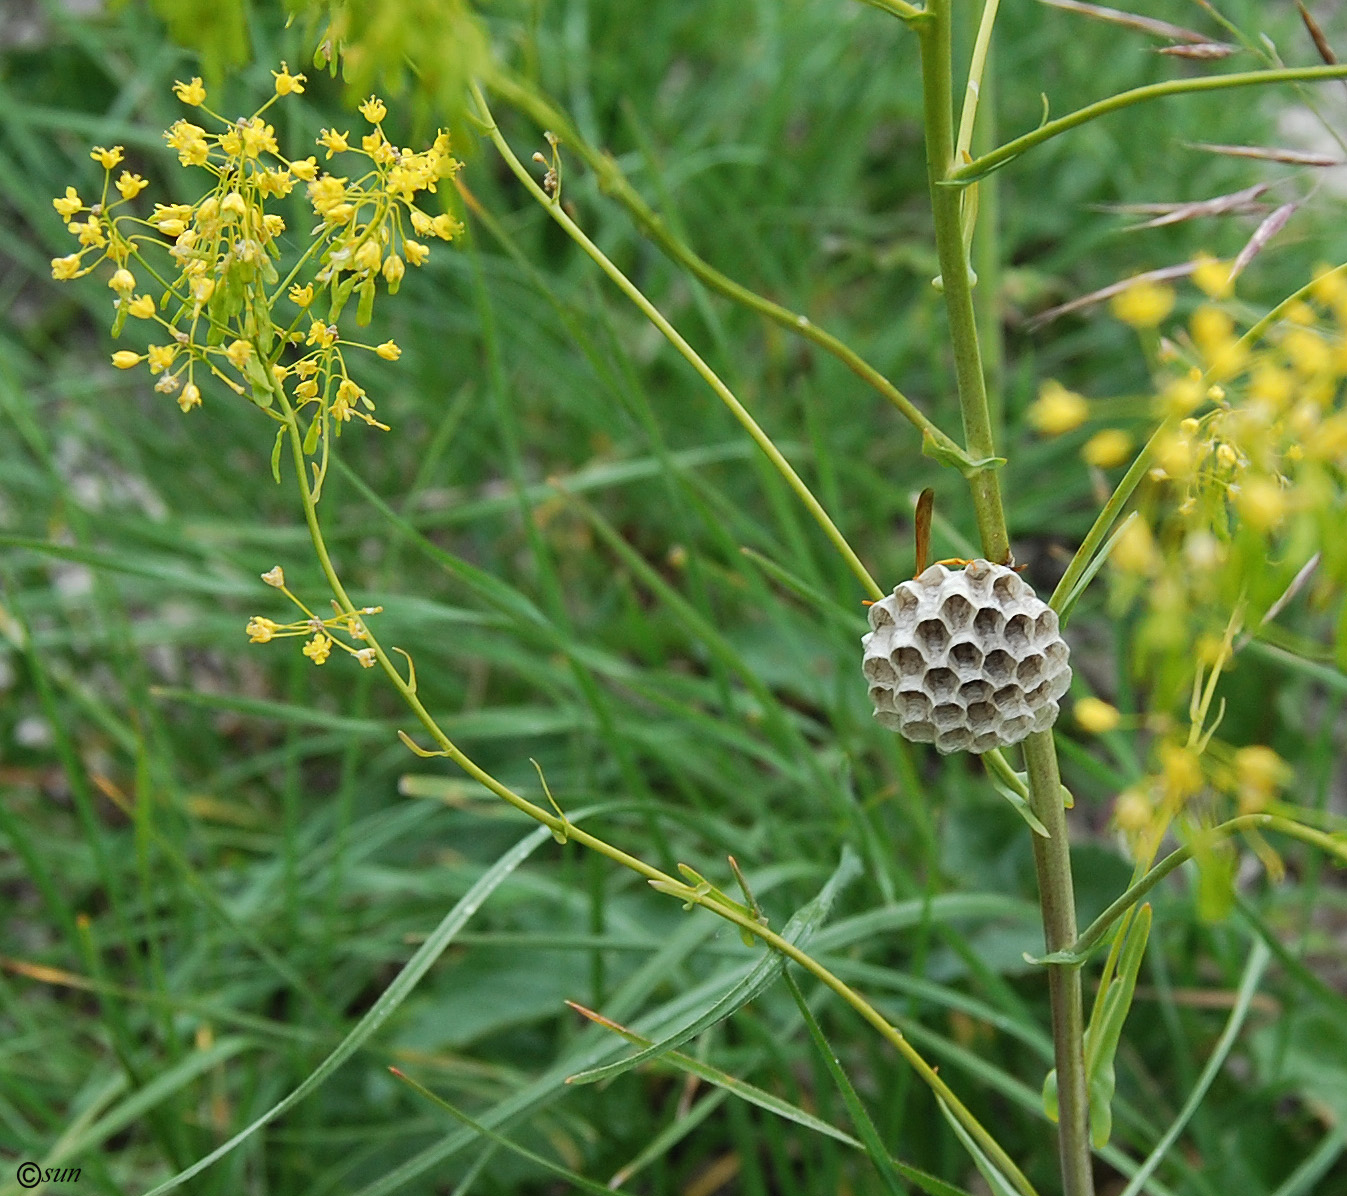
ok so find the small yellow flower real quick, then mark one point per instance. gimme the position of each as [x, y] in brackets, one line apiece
[1259, 773]
[301, 295]
[348, 394]
[373, 110]
[65, 267]
[161, 357]
[389, 351]
[286, 83]
[368, 257]
[106, 158]
[1181, 770]
[275, 577]
[130, 185]
[1213, 277]
[1182, 395]
[445, 227]
[238, 353]
[319, 648]
[1057, 409]
[202, 290]
[333, 142]
[1262, 503]
[394, 269]
[321, 334]
[1211, 326]
[1132, 811]
[1177, 455]
[122, 281]
[1135, 552]
[1307, 352]
[415, 252]
[366, 657]
[258, 138]
[308, 389]
[305, 169]
[125, 359]
[1330, 285]
[232, 206]
[190, 93]
[1107, 449]
[261, 630]
[142, 307]
[90, 232]
[1143, 304]
[190, 142]
[1096, 716]
[190, 397]
[68, 204]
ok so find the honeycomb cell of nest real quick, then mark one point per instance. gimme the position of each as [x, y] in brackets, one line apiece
[967, 659]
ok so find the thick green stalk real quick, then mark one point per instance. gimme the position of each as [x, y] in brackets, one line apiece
[938, 103]
[1051, 854]
[1052, 860]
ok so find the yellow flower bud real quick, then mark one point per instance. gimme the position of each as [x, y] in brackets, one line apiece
[1132, 811]
[1262, 503]
[124, 359]
[190, 397]
[1213, 277]
[1107, 449]
[122, 281]
[1135, 552]
[1096, 716]
[66, 267]
[1181, 770]
[389, 351]
[1057, 409]
[368, 256]
[1144, 304]
[394, 269]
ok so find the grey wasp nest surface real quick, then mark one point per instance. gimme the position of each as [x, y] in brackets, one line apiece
[967, 659]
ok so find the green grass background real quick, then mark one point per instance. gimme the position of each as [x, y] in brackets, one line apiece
[225, 855]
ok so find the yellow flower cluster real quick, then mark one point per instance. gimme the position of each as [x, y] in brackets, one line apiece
[318, 632]
[218, 305]
[1240, 510]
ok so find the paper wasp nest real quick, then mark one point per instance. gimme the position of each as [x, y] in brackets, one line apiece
[967, 659]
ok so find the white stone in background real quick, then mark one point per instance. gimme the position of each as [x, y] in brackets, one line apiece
[967, 659]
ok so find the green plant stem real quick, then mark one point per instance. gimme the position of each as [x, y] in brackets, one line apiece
[675, 338]
[561, 826]
[1051, 853]
[985, 163]
[1052, 860]
[612, 181]
[938, 112]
